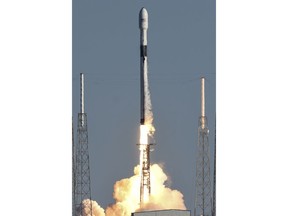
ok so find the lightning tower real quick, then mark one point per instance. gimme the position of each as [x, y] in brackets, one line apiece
[82, 169]
[73, 170]
[203, 199]
[214, 177]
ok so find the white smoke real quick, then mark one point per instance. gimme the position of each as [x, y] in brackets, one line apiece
[127, 194]
[87, 204]
[162, 197]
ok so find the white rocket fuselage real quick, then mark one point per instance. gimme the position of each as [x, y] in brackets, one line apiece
[144, 146]
[143, 25]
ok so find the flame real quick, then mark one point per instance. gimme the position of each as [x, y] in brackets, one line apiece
[144, 131]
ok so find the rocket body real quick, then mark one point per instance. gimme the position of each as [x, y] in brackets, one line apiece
[145, 110]
[143, 25]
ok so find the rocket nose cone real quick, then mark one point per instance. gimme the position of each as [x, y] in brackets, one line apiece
[143, 19]
[143, 13]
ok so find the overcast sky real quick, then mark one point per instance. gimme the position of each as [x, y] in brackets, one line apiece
[181, 49]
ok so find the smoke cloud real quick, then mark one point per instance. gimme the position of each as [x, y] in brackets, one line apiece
[127, 193]
[162, 197]
[96, 209]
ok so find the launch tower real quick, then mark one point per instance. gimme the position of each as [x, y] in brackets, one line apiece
[203, 199]
[82, 169]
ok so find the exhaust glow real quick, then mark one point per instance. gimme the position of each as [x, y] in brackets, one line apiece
[144, 130]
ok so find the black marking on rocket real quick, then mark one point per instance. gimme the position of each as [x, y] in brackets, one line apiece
[143, 50]
[142, 97]
[143, 56]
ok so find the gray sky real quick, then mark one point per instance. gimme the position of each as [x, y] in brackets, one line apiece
[181, 49]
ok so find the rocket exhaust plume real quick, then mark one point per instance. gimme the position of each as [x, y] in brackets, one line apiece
[96, 209]
[126, 195]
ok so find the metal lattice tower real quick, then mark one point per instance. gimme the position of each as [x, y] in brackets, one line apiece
[214, 178]
[203, 199]
[73, 170]
[82, 168]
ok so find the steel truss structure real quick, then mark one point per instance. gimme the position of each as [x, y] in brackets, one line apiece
[82, 185]
[82, 172]
[203, 200]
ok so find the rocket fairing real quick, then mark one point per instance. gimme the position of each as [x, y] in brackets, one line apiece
[143, 25]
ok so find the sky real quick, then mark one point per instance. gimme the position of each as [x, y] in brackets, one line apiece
[36, 64]
[181, 49]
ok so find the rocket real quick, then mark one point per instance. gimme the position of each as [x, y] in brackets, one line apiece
[144, 146]
[143, 25]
